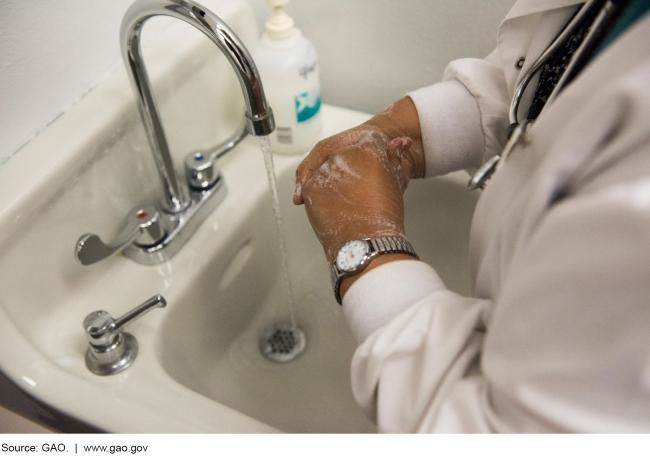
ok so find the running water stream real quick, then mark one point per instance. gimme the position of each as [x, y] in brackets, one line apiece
[270, 174]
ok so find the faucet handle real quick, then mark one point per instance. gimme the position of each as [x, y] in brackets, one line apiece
[143, 227]
[111, 350]
[200, 170]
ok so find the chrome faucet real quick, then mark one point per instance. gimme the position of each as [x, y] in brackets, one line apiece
[185, 203]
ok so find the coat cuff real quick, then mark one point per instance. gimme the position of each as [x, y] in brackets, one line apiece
[384, 292]
[450, 123]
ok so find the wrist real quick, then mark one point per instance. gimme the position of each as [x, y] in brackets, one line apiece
[376, 262]
[355, 231]
[401, 119]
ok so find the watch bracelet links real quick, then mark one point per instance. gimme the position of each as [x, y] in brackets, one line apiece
[388, 245]
[380, 246]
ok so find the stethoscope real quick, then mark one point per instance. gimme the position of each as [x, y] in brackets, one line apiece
[517, 129]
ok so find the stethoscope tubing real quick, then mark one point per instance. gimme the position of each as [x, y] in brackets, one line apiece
[517, 131]
[606, 7]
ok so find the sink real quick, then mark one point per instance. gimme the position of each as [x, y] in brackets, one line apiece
[199, 368]
[210, 342]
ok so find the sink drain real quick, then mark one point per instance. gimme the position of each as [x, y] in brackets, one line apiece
[282, 343]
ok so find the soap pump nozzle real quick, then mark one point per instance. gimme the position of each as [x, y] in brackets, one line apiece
[279, 25]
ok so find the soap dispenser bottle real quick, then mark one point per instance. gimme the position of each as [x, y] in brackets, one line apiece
[288, 65]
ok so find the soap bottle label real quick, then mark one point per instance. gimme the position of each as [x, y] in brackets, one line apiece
[307, 105]
[284, 134]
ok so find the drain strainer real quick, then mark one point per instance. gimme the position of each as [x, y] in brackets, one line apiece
[282, 343]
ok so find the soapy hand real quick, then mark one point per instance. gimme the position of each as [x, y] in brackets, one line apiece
[352, 183]
[357, 191]
[398, 122]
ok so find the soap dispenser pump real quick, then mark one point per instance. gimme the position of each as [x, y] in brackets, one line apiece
[288, 66]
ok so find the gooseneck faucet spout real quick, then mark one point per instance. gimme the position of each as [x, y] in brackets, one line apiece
[259, 117]
[152, 235]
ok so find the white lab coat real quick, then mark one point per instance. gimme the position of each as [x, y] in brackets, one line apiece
[557, 334]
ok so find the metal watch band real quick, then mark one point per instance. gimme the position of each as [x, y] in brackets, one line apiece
[378, 246]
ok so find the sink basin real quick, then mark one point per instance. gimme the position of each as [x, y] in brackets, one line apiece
[209, 343]
[199, 368]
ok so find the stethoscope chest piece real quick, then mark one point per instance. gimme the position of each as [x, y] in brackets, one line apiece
[485, 172]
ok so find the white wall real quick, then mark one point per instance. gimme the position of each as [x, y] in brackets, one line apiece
[51, 52]
[371, 51]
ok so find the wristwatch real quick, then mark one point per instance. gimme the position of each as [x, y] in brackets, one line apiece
[355, 255]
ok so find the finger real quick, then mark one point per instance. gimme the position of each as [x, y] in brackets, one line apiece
[399, 150]
[311, 163]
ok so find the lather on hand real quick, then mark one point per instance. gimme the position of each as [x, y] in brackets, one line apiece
[352, 183]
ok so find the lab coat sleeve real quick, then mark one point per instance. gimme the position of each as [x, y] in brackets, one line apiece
[463, 119]
[419, 343]
[565, 346]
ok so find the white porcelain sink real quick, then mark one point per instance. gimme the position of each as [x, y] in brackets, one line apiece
[209, 342]
[199, 368]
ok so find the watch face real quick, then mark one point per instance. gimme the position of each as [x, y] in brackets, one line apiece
[351, 255]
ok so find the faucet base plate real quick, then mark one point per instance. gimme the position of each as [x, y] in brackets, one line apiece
[180, 226]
